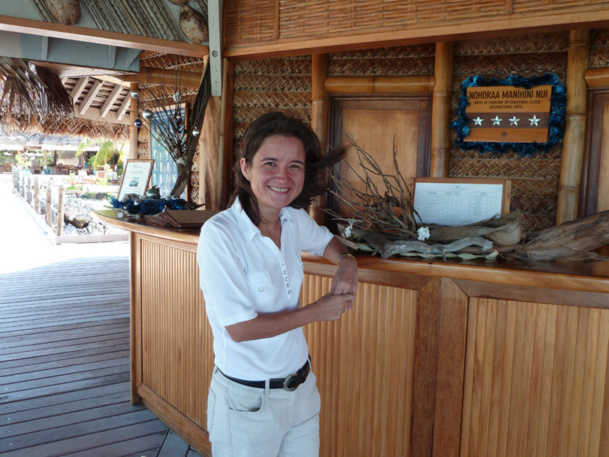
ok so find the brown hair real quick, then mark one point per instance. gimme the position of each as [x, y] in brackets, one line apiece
[316, 163]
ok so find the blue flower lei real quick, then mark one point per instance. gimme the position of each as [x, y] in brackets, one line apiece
[147, 206]
[558, 106]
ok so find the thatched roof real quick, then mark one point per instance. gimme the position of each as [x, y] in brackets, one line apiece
[38, 97]
[150, 18]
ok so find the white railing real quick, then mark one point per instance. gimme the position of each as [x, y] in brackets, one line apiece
[44, 196]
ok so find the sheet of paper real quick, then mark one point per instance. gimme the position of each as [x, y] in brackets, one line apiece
[457, 203]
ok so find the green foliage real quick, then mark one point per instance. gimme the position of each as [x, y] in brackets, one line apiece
[109, 152]
[23, 161]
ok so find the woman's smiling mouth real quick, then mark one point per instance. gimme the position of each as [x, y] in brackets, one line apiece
[279, 189]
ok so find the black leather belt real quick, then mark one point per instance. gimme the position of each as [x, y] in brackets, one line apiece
[290, 382]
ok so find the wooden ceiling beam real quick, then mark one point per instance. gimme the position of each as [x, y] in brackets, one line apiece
[110, 101]
[70, 32]
[124, 108]
[78, 88]
[86, 103]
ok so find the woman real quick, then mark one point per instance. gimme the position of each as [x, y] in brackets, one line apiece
[263, 401]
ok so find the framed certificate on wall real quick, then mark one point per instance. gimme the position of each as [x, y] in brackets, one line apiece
[135, 177]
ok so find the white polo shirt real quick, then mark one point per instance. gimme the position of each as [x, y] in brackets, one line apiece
[243, 273]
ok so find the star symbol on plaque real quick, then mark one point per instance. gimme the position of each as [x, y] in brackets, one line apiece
[496, 120]
[535, 121]
[478, 121]
[514, 121]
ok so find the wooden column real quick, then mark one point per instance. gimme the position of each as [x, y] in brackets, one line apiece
[225, 147]
[575, 126]
[210, 153]
[440, 128]
[133, 130]
[438, 369]
[319, 118]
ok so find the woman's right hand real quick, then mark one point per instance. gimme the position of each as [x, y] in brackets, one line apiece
[331, 307]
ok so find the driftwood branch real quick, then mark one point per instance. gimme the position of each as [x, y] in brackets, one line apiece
[383, 222]
[502, 231]
[571, 240]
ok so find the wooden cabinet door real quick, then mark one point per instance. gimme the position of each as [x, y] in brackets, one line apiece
[380, 125]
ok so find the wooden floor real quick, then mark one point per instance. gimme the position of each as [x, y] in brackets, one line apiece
[64, 365]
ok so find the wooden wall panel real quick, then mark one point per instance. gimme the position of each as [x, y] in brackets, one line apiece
[177, 355]
[301, 25]
[364, 365]
[535, 380]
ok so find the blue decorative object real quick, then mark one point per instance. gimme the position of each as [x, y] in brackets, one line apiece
[147, 206]
[558, 105]
[138, 123]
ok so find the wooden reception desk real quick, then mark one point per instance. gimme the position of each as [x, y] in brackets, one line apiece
[435, 359]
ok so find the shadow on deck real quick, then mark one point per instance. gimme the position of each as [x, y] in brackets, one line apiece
[64, 366]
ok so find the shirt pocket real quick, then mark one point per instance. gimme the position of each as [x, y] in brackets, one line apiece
[261, 290]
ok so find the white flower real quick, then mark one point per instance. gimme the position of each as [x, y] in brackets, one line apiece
[423, 233]
[348, 231]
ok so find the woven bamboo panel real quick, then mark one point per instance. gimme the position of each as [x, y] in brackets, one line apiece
[534, 179]
[254, 22]
[540, 43]
[261, 86]
[151, 59]
[250, 21]
[599, 48]
[535, 380]
[400, 61]
[366, 406]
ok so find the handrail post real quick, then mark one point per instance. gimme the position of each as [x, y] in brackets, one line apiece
[61, 192]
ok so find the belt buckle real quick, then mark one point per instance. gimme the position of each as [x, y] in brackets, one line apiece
[289, 379]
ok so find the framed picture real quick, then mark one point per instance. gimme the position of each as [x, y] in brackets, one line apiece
[461, 201]
[135, 177]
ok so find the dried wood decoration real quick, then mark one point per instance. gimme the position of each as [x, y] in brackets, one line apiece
[178, 137]
[383, 221]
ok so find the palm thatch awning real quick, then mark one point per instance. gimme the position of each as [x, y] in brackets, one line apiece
[31, 92]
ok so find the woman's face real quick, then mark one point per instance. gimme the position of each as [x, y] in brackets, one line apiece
[276, 173]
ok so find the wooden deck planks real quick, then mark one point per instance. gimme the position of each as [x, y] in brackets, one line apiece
[64, 366]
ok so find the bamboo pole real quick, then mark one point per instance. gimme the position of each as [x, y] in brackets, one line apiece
[575, 125]
[602, 196]
[210, 153]
[319, 118]
[380, 84]
[133, 130]
[61, 192]
[440, 120]
[225, 147]
[152, 76]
